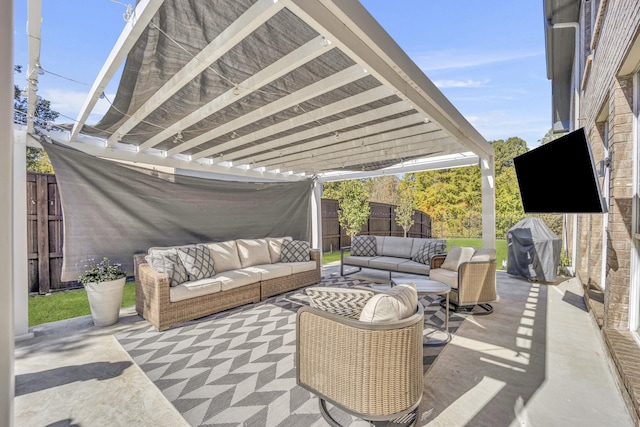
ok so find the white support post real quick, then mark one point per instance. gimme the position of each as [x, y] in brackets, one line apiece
[7, 379]
[20, 263]
[316, 216]
[487, 169]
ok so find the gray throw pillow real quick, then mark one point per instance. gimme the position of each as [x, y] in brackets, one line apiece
[170, 264]
[294, 251]
[363, 246]
[342, 301]
[428, 250]
[197, 261]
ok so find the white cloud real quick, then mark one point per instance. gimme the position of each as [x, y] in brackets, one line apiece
[446, 60]
[443, 84]
[499, 124]
[69, 103]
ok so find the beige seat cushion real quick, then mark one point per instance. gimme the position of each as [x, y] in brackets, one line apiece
[236, 278]
[484, 255]
[271, 271]
[253, 252]
[445, 276]
[456, 256]
[196, 288]
[395, 304]
[225, 256]
[387, 262]
[299, 267]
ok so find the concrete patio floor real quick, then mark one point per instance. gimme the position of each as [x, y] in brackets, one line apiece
[538, 360]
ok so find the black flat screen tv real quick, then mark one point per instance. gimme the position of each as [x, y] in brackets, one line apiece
[560, 177]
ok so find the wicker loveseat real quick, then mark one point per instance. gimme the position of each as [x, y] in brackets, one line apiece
[230, 274]
[391, 253]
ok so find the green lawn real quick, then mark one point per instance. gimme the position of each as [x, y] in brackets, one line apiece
[67, 304]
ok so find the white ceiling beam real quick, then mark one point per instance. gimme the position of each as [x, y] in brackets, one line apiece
[355, 120]
[418, 165]
[34, 29]
[389, 150]
[354, 101]
[144, 12]
[353, 29]
[351, 140]
[311, 91]
[251, 19]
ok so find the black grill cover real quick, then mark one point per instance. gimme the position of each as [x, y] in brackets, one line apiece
[533, 250]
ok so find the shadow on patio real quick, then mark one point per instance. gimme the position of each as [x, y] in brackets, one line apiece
[537, 360]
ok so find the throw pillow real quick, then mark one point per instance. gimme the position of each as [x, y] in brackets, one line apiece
[197, 261]
[294, 251]
[428, 250]
[395, 304]
[363, 246]
[341, 301]
[170, 264]
[456, 256]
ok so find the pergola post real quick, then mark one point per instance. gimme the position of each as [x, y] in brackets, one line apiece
[316, 216]
[487, 169]
[7, 381]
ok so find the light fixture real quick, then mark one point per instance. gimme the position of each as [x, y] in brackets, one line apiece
[234, 135]
[236, 90]
[325, 42]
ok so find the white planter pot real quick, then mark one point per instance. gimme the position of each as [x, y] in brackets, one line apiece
[105, 299]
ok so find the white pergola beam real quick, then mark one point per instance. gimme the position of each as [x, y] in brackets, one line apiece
[251, 19]
[353, 29]
[355, 120]
[144, 12]
[419, 165]
[300, 56]
[408, 147]
[354, 101]
[34, 29]
[329, 144]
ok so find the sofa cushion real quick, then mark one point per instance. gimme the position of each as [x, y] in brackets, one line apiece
[483, 255]
[271, 271]
[362, 261]
[427, 250]
[253, 252]
[170, 264]
[225, 256]
[386, 262]
[236, 278]
[197, 261]
[396, 247]
[275, 247]
[414, 268]
[295, 251]
[342, 301]
[301, 267]
[456, 256]
[363, 246]
[195, 289]
[160, 250]
[445, 276]
[395, 304]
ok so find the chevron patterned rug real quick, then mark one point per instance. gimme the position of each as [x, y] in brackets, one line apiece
[236, 368]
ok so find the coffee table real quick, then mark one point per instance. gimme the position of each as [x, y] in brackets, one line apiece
[432, 287]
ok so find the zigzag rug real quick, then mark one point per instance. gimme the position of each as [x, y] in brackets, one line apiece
[236, 368]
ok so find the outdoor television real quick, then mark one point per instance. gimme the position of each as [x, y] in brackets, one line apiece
[560, 177]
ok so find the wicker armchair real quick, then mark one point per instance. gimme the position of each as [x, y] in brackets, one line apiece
[370, 370]
[473, 285]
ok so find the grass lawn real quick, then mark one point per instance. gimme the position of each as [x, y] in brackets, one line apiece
[67, 304]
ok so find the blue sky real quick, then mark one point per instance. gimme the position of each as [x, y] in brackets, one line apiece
[487, 57]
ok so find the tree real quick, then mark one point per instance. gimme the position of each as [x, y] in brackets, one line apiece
[383, 189]
[405, 208]
[37, 158]
[506, 151]
[353, 206]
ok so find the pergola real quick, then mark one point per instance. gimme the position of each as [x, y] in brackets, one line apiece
[255, 90]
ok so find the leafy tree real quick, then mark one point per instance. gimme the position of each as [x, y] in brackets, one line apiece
[383, 189]
[404, 210]
[549, 136]
[353, 204]
[37, 158]
[506, 151]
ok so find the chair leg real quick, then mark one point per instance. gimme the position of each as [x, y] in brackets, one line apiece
[407, 420]
[326, 415]
[469, 309]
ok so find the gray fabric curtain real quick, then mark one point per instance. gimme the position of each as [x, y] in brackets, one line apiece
[115, 210]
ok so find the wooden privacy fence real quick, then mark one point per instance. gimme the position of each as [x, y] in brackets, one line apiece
[381, 222]
[45, 231]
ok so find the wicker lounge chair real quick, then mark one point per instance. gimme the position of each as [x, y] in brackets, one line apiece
[370, 370]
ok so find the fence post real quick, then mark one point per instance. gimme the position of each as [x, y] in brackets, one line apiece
[42, 211]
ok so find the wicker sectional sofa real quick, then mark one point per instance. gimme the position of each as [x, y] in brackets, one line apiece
[391, 253]
[226, 275]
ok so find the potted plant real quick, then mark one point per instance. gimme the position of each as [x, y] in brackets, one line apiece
[104, 282]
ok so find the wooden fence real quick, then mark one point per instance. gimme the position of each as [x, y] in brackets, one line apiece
[382, 222]
[45, 231]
